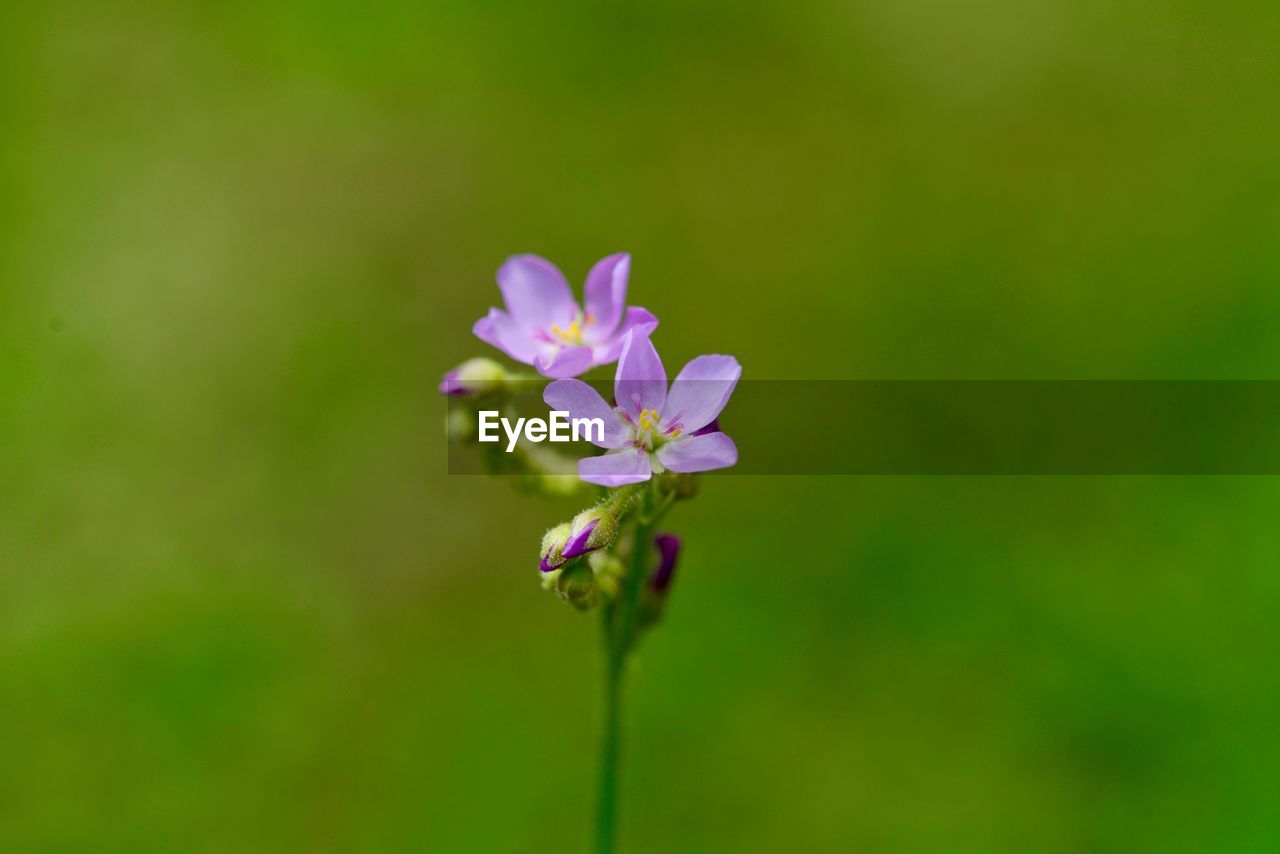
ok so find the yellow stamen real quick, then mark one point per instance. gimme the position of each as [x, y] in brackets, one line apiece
[571, 334]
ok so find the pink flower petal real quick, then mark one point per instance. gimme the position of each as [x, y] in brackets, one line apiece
[582, 401]
[616, 468]
[606, 293]
[568, 362]
[641, 381]
[701, 390]
[699, 453]
[499, 330]
[483, 329]
[536, 293]
[610, 348]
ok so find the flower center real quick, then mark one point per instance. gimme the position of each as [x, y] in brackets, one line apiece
[570, 335]
[648, 433]
[648, 419]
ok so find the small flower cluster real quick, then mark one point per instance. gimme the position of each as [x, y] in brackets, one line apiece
[657, 435]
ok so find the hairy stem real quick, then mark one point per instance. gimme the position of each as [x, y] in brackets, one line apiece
[619, 626]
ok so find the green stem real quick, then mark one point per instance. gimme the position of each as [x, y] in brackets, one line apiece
[619, 638]
[607, 815]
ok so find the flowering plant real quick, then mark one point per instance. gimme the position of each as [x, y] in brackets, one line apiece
[655, 437]
[544, 327]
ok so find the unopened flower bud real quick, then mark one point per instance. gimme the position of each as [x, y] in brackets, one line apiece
[551, 484]
[553, 547]
[473, 377]
[654, 601]
[597, 528]
[577, 586]
[593, 529]
[460, 426]
[668, 546]
[609, 571]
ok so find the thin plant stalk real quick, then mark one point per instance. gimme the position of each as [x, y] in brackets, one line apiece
[619, 627]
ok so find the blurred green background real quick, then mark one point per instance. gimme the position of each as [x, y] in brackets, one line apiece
[242, 607]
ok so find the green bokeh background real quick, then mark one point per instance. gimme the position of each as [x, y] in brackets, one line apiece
[242, 606]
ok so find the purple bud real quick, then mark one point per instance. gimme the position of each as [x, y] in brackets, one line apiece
[577, 586]
[473, 377]
[668, 546]
[578, 543]
[449, 384]
[594, 529]
[552, 547]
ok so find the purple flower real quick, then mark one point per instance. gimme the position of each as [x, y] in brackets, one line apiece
[651, 430]
[543, 326]
[668, 546]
